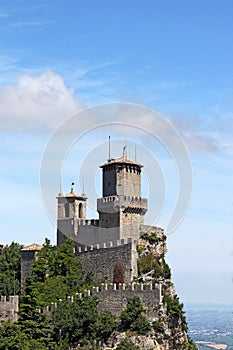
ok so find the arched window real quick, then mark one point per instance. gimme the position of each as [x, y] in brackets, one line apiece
[80, 210]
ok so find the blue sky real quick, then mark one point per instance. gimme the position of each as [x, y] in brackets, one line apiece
[176, 57]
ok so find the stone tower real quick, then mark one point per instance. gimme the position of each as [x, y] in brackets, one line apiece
[71, 211]
[121, 208]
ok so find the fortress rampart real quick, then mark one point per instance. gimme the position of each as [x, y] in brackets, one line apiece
[9, 308]
[100, 259]
[114, 299]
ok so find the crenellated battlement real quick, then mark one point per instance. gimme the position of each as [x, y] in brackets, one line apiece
[104, 245]
[9, 308]
[92, 222]
[114, 204]
[133, 200]
[113, 298]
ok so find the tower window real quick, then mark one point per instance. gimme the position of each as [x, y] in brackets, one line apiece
[80, 210]
[67, 210]
[109, 184]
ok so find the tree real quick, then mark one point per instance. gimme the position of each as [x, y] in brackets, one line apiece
[132, 318]
[80, 322]
[11, 337]
[105, 325]
[56, 273]
[31, 322]
[175, 311]
[10, 269]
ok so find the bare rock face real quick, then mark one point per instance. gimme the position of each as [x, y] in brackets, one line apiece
[152, 341]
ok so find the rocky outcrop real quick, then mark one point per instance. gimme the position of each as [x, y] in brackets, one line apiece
[169, 328]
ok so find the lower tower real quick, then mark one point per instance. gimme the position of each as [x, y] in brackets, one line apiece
[71, 213]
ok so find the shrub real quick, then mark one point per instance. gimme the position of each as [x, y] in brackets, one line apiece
[132, 318]
[126, 345]
[151, 238]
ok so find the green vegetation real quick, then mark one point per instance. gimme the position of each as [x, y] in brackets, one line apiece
[147, 262]
[57, 274]
[10, 273]
[152, 237]
[126, 345]
[81, 323]
[158, 327]
[132, 317]
[175, 312]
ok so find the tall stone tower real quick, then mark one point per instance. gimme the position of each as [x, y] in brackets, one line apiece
[121, 208]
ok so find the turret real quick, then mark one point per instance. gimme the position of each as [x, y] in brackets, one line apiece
[71, 209]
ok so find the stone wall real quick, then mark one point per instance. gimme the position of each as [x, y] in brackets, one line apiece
[27, 260]
[9, 308]
[99, 260]
[115, 300]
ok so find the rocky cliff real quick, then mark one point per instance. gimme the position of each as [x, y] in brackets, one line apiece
[169, 328]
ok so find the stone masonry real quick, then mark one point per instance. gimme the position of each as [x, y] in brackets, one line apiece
[121, 219]
[9, 308]
[114, 299]
[28, 256]
[99, 260]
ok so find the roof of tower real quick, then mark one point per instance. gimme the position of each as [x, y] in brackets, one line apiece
[121, 160]
[33, 246]
[72, 195]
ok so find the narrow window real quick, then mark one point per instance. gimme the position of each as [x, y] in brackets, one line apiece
[80, 210]
[67, 210]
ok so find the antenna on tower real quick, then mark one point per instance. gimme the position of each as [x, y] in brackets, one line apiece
[60, 187]
[135, 152]
[72, 188]
[83, 185]
[109, 147]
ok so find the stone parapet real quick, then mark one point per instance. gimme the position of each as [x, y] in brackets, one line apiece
[104, 245]
[9, 308]
[114, 298]
[115, 203]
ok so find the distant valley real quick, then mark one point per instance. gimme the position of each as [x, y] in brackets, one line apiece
[211, 325]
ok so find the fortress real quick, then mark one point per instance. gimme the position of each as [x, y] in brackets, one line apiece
[110, 250]
[113, 238]
[103, 244]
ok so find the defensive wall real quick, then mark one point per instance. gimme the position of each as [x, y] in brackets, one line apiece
[100, 259]
[9, 308]
[114, 299]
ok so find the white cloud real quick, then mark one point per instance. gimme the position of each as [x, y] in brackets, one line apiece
[36, 102]
[206, 135]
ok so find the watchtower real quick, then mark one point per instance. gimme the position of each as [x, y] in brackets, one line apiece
[121, 208]
[71, 211]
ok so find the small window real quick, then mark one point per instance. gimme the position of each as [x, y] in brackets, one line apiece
[80, 210]
[67, 210]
